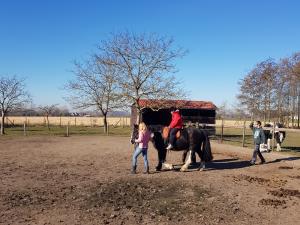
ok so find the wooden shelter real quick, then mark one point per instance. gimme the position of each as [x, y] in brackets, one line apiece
[157, 112]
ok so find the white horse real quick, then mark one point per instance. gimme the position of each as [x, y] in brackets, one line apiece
[279, 136]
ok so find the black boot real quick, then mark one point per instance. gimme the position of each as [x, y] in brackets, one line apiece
[133, 170]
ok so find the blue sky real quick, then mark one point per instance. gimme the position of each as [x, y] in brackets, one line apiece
[225, 39]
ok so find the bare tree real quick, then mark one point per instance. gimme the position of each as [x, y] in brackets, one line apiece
[95, 86]
[240, 112]
[144, 64]
[13, 96]
[272, 90]
[281, 99]
[249, 95]
[257, 89]
[288, 81]
[266, 83]
[295, 86]
[297, 74]
[222, 110]
[47, 111]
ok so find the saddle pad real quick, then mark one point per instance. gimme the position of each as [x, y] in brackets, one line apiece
[165, 133]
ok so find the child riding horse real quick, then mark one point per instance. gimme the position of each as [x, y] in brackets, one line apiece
[175, 125]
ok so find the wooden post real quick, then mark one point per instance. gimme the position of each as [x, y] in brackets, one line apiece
[60, 120]
[24, 129]
[222, 130]
[75, 121]
[244, 133]
[107, 129]
[67, 134]
[273, 137]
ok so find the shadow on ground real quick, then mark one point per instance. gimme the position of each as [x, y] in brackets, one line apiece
[220, 164]
[225, 164]
[290, 148]
[284, 159]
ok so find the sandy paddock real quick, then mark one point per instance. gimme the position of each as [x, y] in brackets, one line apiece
[87, 180]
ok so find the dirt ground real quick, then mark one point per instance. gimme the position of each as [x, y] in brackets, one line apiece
[87, 180]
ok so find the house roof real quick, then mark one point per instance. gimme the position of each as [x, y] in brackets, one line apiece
[181, 104]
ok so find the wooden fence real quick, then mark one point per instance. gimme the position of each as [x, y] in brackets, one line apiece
[64, 121]
[94, 121]
[243, 126]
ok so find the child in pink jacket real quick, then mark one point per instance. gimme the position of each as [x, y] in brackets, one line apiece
[142, 148]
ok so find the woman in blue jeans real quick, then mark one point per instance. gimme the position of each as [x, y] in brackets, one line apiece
[142, 148]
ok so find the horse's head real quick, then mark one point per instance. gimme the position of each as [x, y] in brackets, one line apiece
[134, 133]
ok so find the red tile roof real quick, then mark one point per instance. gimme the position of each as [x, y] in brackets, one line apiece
[181, 104]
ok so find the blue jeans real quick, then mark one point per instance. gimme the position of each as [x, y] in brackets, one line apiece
[257, 152]
[136, 153]
[173, 132]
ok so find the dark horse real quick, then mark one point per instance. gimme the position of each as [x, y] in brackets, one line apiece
[192, 140]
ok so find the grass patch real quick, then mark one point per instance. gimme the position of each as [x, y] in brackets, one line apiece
[62, 131]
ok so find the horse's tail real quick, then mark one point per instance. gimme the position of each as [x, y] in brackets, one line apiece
[206, 149]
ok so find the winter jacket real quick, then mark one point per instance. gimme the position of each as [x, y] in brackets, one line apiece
[176, 120]
[258, 135]
[143, 139]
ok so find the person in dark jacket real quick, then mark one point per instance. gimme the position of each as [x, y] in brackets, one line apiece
[259, 138]
[175, 125]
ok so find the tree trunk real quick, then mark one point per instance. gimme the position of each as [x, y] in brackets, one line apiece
[279, 110]
[48, 123]
[294, 111]
[298, 116]
[105, 123]
[2, 123]
[138, 109]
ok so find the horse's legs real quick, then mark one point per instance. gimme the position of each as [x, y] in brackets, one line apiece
[278, 147]
[193, 158]
[162, 153]
[187, 163]
[202, 163]
[184, 156]
[269, 144]
[279, 141]
[158, 167]
[165, 165]
[168, 166]
[202, 166]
